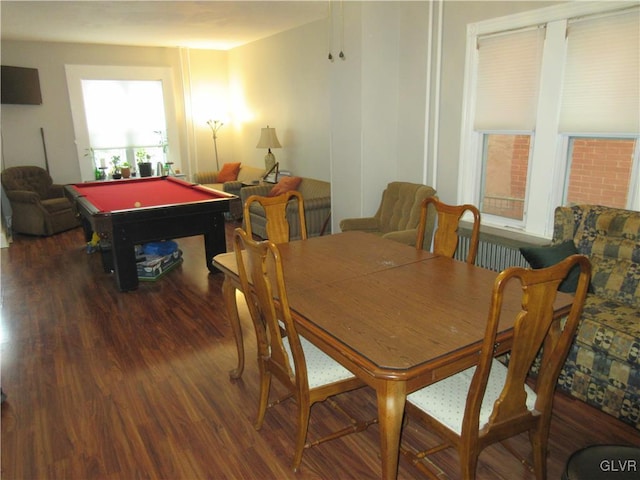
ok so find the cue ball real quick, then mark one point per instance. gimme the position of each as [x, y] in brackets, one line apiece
[137, 204]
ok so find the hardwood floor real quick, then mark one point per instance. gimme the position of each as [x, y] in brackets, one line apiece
[110, 385]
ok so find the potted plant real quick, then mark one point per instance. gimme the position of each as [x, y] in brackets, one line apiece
[116, 174]
[125, 170]
[144, 165]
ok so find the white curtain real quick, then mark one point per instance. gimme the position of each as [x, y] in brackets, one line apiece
[508, 80]
[601, 91]
[124, 114]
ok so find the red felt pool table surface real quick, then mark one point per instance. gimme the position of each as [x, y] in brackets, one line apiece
[143, 192]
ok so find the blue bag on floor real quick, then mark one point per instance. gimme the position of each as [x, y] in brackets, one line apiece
[160, 249]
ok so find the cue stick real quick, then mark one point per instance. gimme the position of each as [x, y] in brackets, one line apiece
[44, 147]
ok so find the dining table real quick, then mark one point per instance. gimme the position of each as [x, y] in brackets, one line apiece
[398, 317]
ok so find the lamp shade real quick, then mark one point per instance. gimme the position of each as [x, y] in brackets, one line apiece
[268, 139]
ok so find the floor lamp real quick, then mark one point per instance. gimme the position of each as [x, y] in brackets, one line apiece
[215, 125]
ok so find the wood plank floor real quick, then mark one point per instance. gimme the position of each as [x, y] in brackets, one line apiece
[110, 385]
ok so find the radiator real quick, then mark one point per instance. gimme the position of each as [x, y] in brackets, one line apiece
[492, 254]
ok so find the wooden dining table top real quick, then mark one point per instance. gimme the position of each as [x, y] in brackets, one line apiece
[393, 308]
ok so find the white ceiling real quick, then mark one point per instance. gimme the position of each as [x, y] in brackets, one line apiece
[219, 25]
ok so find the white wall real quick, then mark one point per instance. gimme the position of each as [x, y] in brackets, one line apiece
[204, 76]
[21, 142]
[378, 97]
[359, 123]
[282, 81]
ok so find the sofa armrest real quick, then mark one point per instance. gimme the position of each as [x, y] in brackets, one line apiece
[408, 237]
[317, 203]
[23, 196]
[233, 187]
[55, 191]
[261, 190]
[366, 224]
[205, 177]
[564, 225]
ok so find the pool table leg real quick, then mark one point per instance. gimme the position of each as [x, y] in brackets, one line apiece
[215, 241]
[86, 228]
[124, 265]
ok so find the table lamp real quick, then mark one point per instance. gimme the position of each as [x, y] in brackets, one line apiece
[268, 139]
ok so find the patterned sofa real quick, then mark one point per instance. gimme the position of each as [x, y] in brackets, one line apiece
[603, 366]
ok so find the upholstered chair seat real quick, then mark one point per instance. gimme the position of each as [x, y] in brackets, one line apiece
[321, 368]
[446, 400]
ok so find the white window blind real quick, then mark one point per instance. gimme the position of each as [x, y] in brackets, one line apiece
[508, 80]
[601, 92]
[123, 114]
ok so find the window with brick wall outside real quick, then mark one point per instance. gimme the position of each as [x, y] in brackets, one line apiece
[544, 133]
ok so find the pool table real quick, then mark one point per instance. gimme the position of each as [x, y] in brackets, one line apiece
[125, 213]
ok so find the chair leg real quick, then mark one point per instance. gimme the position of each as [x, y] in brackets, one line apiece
[265, 387]
[539, 442]
[468, 463]
[304, 410]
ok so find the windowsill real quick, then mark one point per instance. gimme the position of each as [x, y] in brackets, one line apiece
[506, 237]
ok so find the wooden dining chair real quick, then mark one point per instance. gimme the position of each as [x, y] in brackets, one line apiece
[275, 208]
[445, 238]
[492, 402]
[308, 374]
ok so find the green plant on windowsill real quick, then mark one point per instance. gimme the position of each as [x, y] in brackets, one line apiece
[115, 172]
[141, 155]
[144, 163]
[125, 169]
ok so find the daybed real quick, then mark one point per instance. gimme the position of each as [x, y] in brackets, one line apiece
[317, 208]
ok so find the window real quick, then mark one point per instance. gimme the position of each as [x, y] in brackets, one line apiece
[123, 111]
[504, 180]
[124, 117]
[553, 100]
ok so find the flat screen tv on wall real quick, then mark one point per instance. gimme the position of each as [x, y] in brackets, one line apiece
[20, 86]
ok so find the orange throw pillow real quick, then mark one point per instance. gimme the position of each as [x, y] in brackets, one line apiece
[229, 172]
[286, 184]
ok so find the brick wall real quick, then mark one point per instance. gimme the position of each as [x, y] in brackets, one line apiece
[600, 171]
[506, 186]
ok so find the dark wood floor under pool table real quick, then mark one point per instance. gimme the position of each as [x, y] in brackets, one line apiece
[125, 213]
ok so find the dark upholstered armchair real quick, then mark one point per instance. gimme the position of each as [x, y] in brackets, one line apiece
[39, 206]
[398, 216]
